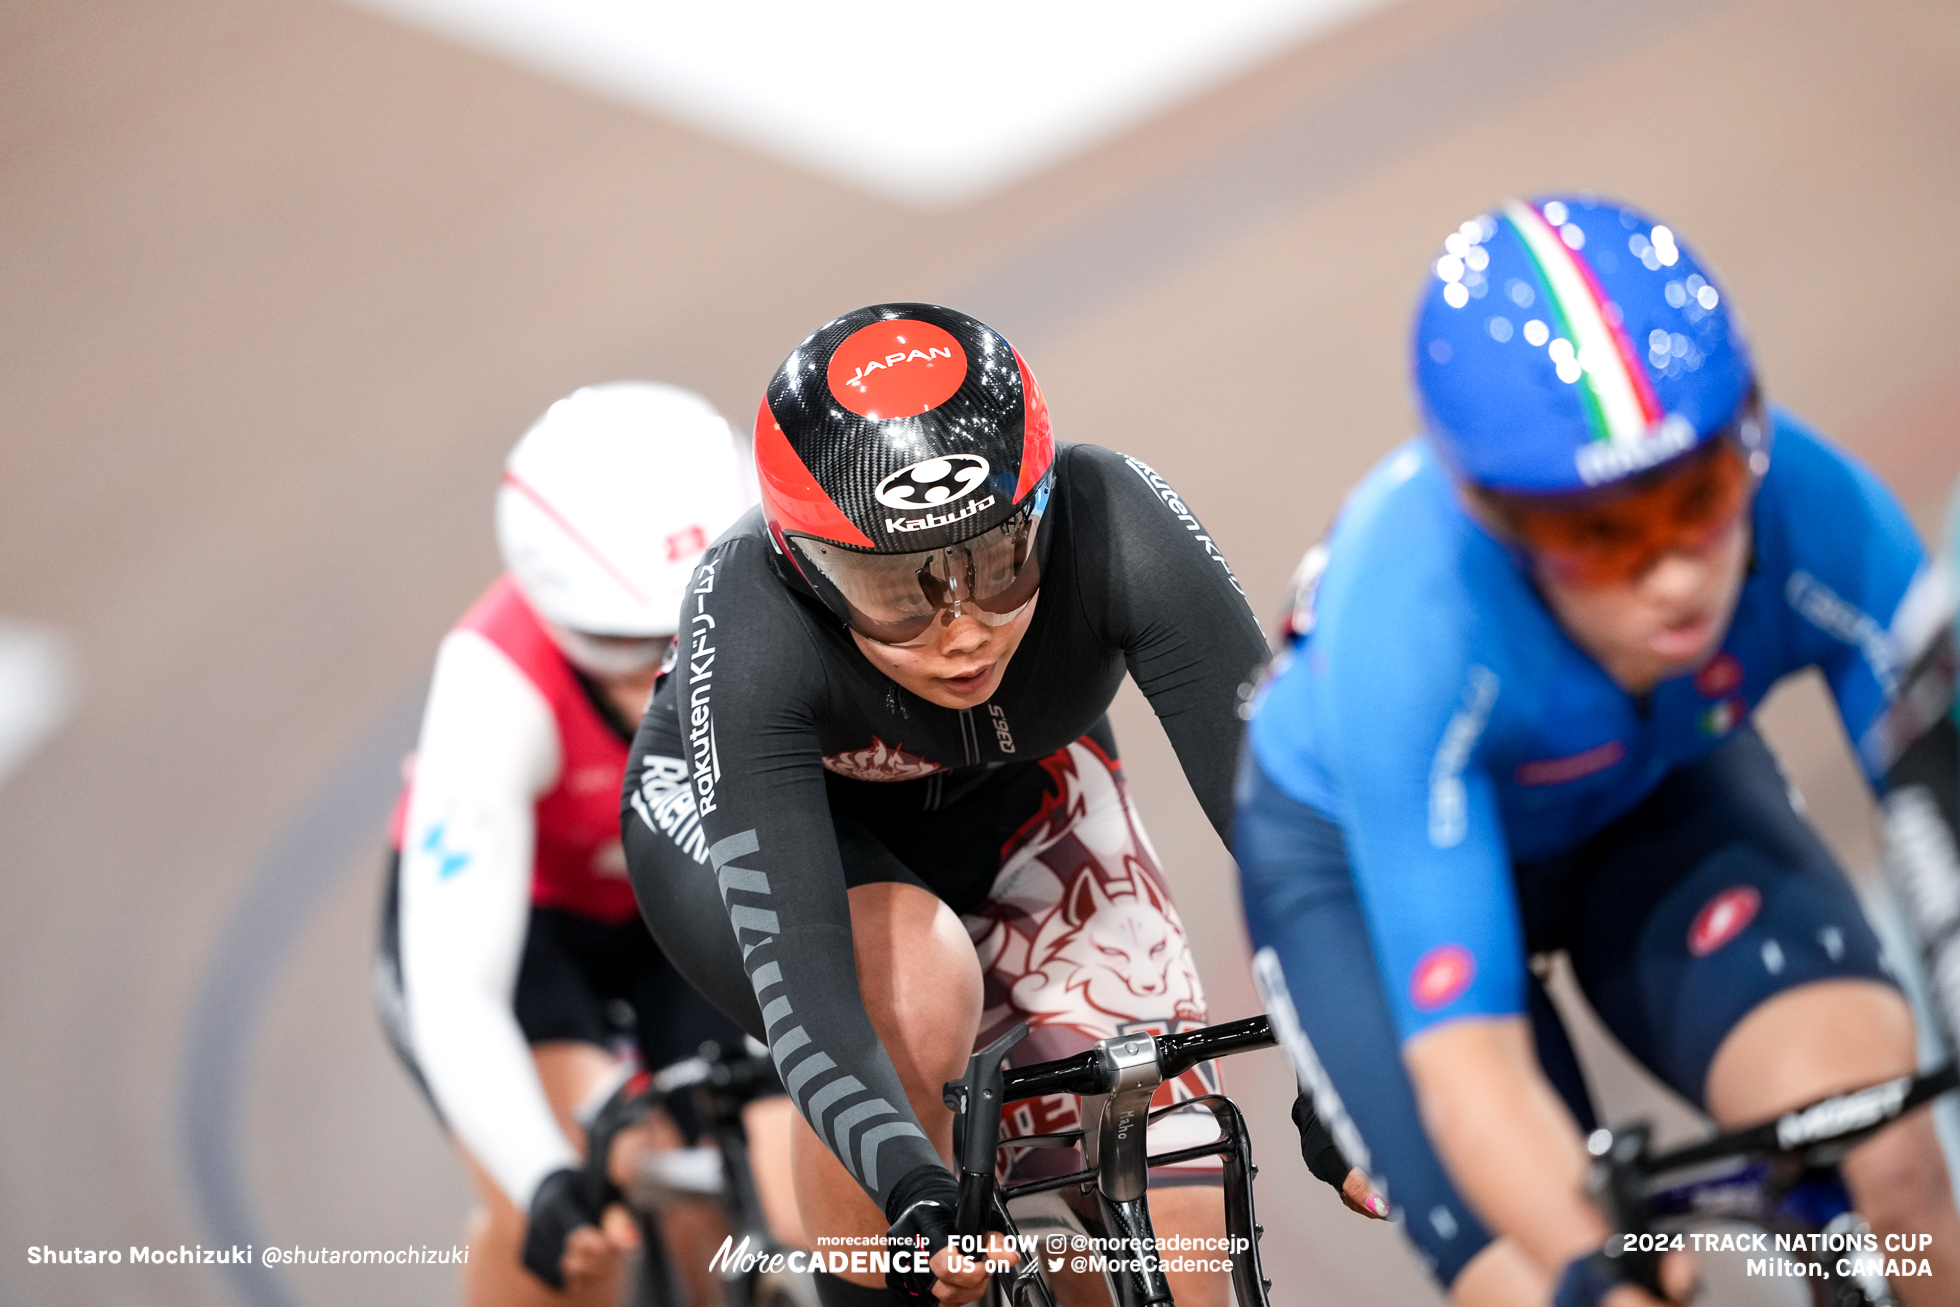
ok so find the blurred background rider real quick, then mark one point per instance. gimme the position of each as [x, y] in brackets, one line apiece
[513, 961]
[1516, 718]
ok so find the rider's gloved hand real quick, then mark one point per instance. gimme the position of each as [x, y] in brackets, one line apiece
[1323, 1157]
[1589, 1278]
[561, 1205]
[922, 1206]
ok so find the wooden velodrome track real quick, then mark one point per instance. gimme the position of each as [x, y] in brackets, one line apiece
[280, 283]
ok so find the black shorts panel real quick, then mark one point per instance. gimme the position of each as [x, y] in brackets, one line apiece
[945, 837]
[579, 977]
[1711, 897]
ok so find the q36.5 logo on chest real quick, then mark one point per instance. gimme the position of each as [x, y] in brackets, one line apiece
[933, 482]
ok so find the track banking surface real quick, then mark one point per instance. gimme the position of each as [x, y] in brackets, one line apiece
[1435, 685]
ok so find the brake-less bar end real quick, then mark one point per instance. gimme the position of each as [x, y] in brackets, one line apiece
[975, 1099]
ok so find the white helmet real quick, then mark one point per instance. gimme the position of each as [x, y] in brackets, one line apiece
[608, 502]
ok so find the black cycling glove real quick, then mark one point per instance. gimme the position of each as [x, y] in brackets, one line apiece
[1588, 1279]
[1317, 1147]
[561, 1205]
[922, 1207]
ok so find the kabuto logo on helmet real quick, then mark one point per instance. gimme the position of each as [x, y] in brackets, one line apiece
[896, 368]
[933, 481]
[845, 449]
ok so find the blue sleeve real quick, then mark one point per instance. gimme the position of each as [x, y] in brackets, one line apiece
[1852, 559]
[1432, 866]
[1402, 709]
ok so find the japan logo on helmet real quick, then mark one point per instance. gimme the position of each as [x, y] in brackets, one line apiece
[900, 427]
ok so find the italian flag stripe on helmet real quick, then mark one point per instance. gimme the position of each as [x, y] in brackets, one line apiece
[1620, 399]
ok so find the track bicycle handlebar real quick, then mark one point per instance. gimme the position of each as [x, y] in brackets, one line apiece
[746, 1073]
[1823, 1130]
[1088, 1073]
[724, 1081]
[719, 1083]
[1626, 1183]
[1179, 1053]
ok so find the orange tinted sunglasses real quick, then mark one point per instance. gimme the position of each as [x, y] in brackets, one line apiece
[1614, 539]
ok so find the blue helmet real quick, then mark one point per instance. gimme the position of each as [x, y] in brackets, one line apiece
[1569, 342]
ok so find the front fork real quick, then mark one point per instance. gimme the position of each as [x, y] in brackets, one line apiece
[1114, 1144]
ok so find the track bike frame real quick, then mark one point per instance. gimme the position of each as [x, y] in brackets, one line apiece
[1116, 1080]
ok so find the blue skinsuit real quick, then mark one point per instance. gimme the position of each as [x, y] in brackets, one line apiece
[1435, 756]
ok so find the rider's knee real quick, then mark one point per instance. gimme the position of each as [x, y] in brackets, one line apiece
[920, 979]
[1499, 1273]
[1898, 1179]
[1808, 1042]
[498, 1222]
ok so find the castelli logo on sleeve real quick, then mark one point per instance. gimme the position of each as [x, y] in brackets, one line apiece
[1722, 918]
[933, 482]
[1720, 678]
[897, 368]
[1441, 977]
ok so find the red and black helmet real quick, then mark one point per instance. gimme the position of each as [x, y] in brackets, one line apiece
[893, 446]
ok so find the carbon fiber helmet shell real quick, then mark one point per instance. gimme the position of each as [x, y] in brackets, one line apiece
[609, 500]
[900, 427]
[1569, 342]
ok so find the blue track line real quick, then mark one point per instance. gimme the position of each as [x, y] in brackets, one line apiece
[344, 817]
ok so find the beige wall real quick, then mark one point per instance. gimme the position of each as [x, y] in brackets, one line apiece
[279, 283]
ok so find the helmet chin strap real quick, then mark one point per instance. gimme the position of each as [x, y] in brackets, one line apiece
[609, 656]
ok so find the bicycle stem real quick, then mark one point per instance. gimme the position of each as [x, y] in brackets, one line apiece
[1114, 1142]
[1113, 1123]
[1618, 1188]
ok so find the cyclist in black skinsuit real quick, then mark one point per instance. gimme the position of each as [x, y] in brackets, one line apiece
[845, 756]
